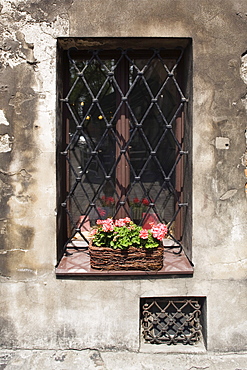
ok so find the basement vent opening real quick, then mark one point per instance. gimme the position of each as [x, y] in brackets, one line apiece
[172, 320]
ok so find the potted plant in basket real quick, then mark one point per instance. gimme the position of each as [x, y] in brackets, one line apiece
[122, 245]
[108, 205]
[138, 206]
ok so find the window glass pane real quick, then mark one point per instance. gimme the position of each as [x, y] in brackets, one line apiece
[123, 147]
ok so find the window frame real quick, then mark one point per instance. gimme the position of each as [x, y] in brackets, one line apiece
[62, 114]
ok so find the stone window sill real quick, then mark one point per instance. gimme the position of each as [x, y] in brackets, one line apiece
[78, 264]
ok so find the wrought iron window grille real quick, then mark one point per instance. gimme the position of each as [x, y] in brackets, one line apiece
[172, 320]
[125, 119]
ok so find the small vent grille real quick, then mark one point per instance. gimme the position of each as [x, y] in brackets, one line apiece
[171, 320]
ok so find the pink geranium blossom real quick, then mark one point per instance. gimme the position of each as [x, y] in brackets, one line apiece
[143, 234]
[107, 225]
[122, 221]
[159, 231]
[124, 233]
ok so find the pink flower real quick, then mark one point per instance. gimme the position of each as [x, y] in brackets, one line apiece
[107, 227]
[159, 231]
[108, 221]
[122, 221]
[119, 222]
[143, 234]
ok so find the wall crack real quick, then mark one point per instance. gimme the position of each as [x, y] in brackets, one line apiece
[23, 172]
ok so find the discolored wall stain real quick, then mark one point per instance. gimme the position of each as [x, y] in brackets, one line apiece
[13, 258]
[18, 101]
[65, 336]
[7, 333]
[41, 11]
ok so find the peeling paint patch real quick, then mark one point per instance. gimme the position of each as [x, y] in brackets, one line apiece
[28, 270]
[3, 227]
[228, 194]
[13, 250]
[243, 68]
[3, 120]
[5, 143]
[243, 75]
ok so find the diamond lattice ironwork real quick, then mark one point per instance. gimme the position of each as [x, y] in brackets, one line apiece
[125, 150]
[171, 320]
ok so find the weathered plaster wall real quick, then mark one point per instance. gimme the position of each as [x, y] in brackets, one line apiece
[39, 311]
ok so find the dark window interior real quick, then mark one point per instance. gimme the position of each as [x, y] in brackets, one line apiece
[123, 137]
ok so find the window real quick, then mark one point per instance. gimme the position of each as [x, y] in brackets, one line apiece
[124, 132]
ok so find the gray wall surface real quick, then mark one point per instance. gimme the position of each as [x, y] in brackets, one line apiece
[37, 309]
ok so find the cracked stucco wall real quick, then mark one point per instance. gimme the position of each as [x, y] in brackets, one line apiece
[243, 74]
[40, 311]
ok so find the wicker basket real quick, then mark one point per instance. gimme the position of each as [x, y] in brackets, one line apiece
[129, 259]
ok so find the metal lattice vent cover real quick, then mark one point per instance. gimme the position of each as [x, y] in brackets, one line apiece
[171, 320]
